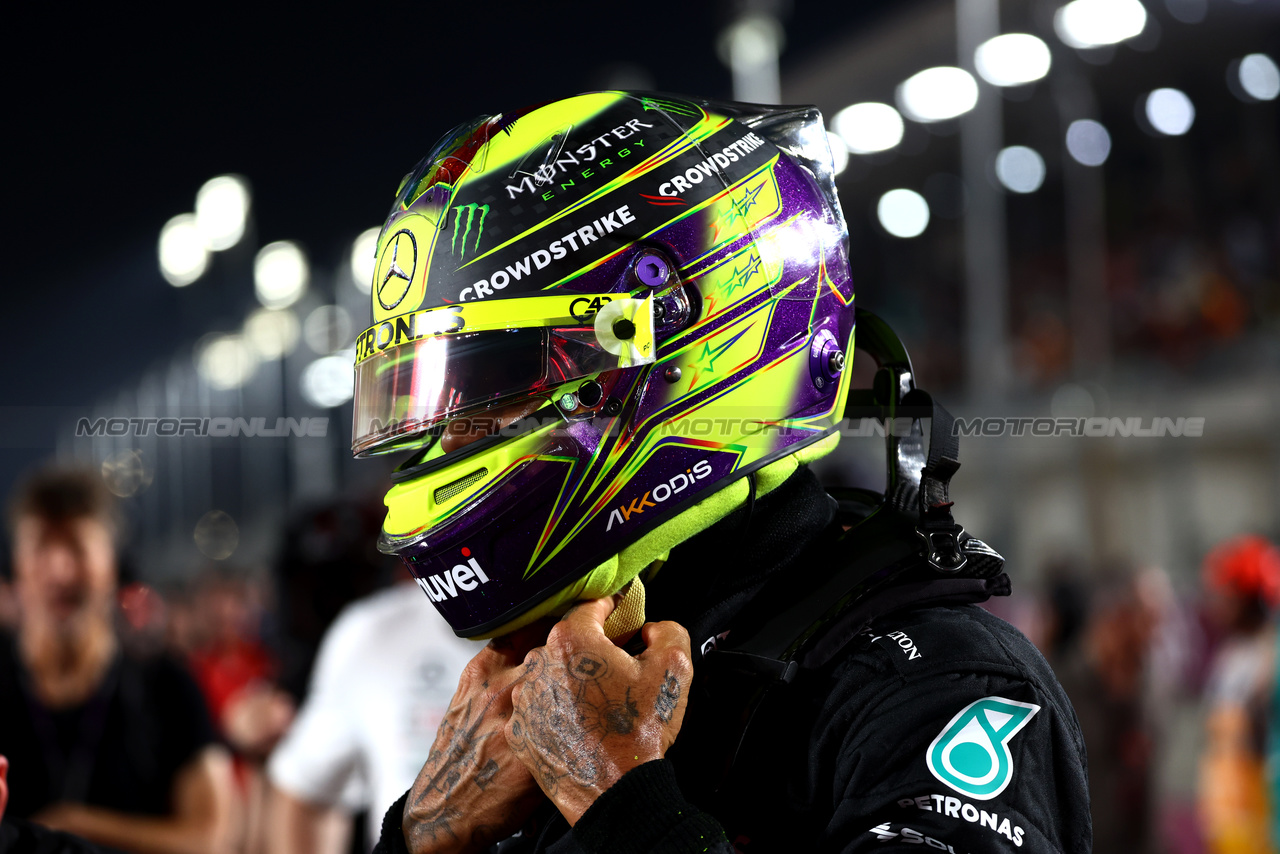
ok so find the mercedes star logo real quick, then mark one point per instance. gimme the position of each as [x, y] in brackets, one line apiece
[395, 281]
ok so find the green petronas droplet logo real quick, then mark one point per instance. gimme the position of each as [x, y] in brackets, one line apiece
[971, 754]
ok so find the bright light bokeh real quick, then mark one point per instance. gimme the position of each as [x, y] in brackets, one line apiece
[364, 258]
[280, 274]
[216, 535]
[222, 208]
[272, 332]
[183, 255]
[327, 328]
[1088, 142]
[126, 473]
[1095, 23]
[938, 94]
[868, 127]
[903, 213]
[1170, 111]
[330, 380]
[1012, 59]
[1020, 169]
[225, 361]
[1259, 77]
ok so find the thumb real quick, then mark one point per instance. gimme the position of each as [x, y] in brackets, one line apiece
[589, 616]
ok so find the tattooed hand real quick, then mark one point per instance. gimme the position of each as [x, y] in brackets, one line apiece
[472, 792]
[588, 712]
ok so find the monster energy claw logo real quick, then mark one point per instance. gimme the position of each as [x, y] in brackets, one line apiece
[669, 106]
[971, 754]
[470, 211]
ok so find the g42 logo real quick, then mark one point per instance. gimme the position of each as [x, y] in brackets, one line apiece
[971, 754]
[584, 309]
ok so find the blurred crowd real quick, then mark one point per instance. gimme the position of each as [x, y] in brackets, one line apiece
[1190, 262]
[245, 709]
[1174, 693]
[253, 709]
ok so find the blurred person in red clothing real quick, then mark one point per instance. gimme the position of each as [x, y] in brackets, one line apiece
[1242, 586]
[237, 674]
[235, 669]
[103, 743]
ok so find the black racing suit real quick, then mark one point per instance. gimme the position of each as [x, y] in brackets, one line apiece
[931, 724]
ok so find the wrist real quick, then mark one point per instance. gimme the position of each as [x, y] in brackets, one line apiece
[573, 801]
[645, 811]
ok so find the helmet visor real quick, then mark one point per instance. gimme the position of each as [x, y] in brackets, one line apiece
[419, 370]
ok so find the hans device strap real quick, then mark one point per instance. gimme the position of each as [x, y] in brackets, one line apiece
[909, 527]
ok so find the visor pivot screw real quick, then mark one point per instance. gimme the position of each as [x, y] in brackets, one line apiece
[613, 406]
[590, 393]
[568, 402]
[835, 363]
[652, 270]
[623, 329]
[671, 374]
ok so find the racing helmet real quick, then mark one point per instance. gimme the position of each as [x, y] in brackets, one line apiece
[657, 286]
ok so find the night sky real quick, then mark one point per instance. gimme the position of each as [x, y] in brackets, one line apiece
[122, 116]
[118, 117]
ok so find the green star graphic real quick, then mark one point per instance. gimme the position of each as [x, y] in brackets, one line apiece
[742, 276]
[707, 359]
[751, 198]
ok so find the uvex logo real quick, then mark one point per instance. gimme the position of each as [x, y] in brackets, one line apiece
[660, 493]
[446, 585]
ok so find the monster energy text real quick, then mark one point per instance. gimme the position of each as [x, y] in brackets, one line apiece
[583, 155]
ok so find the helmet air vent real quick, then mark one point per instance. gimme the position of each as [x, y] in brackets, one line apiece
[451, 490]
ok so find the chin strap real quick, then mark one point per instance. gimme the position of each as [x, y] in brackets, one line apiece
[628, 614]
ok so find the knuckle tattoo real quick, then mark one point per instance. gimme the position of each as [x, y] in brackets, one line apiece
[587, 665]
[668, 697]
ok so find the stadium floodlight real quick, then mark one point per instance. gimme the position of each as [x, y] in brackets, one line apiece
[1170, 111]
[363, 258]
[329, 381]
[1259, 77]
[1012, 59]
[226, 361]
[1096, 23]
[903, 213]
[222, 209]
[868, 127]
[280, 274]
[1020, 169]
[938, 94]
[327, 328]
[272, 332]
[183, 255]
[1088, 142]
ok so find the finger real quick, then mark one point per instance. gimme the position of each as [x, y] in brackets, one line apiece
[664, 636]
[588, 617]
[510, 649]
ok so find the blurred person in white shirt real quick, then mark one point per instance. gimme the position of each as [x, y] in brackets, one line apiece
[383, 679]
